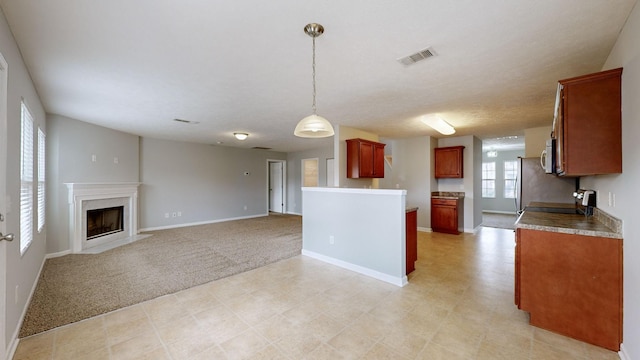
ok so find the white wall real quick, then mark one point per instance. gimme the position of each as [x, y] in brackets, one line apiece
[205, 183]
[22, 271]
[626, 53]
[71, 145]
[294, 174]
[412, 171]
[367, 226]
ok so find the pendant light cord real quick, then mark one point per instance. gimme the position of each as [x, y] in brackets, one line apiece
[313, 67]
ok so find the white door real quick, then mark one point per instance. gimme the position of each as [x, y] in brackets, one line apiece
[276, 200]
[3, 203]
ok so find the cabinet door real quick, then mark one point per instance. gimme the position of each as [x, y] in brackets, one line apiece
[366, 159]
[444, 218]
[448, 162]
[590, 141]
[378, 160]
[572, 285]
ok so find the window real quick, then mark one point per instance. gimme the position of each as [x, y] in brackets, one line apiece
[489, 179]
[310, 172]
[26, 180]
[510, 176]
[41, 183]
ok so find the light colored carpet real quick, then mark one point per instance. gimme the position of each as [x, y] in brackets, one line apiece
[76, 287]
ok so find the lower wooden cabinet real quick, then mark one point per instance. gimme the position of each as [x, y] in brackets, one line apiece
[447, 215]
[571, 284]
[411, 226]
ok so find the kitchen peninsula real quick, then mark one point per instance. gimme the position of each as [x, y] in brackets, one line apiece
[362, 230]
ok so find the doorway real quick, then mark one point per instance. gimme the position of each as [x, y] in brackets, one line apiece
[276, 185]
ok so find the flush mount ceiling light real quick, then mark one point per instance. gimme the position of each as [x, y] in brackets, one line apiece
[241, 136]
[314, 125]
[439, 124]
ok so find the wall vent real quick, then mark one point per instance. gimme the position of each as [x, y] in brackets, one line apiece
[261, 148]
[420, 55]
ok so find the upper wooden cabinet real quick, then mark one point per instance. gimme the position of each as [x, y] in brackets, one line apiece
[365, 159]
[448, 162]
[588, 124]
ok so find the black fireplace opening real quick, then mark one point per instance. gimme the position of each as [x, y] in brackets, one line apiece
[101, 222]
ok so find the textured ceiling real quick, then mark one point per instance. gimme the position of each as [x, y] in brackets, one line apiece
[246, 65]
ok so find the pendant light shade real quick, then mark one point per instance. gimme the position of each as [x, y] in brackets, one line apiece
[314, 125]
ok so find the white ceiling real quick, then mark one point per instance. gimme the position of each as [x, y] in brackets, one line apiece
[245, 65]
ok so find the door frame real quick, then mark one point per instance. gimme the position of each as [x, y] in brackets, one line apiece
[284, 183]
[3, 191]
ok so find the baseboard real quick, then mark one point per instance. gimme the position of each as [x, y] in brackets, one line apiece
[623, 354]
[13, 344]
[424, 229]
[57, 254]
[500, 212]
[294, 213]
[175, 226]
[394, 280]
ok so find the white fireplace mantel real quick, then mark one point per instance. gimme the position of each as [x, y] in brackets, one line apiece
[81, 192]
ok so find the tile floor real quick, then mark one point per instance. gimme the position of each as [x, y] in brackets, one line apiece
[458, 305]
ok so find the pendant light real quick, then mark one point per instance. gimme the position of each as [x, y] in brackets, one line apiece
[314, 125]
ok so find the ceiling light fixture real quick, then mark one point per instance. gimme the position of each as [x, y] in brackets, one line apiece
[241, 136]
[314, 125]
[439, 124]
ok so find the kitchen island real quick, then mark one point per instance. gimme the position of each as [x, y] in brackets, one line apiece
[363, 230]
[568, 274]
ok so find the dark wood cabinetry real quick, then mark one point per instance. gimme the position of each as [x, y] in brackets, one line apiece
[571, 284]
[411, 226]
[588, 124]
[447, 215]
[365, 159]
[448, 162]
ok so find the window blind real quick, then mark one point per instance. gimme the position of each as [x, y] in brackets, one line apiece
[26, 180]
[41, 179]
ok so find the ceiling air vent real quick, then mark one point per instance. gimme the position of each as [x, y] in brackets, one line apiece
[261, 148]
[420, 55]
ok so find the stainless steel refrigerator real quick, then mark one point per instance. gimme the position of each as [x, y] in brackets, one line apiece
[536, 185]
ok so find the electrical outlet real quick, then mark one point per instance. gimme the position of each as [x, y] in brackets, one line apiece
[16, 296]
[166, 215]
[94, 158]
[115, 160]
[245, 207]
[179, 213]
[614, 200]
[332, 240]
[610, 200]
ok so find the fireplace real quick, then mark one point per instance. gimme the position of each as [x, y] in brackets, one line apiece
[102, 222]
[102, 215]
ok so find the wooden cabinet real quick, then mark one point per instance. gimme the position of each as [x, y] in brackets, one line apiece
[588, 124]
[447, 215]
[448, 162]
[411, 226]
[365, 159]
[571, 284]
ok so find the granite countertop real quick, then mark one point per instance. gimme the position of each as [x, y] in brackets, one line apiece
[447, 195]
[601, 224]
